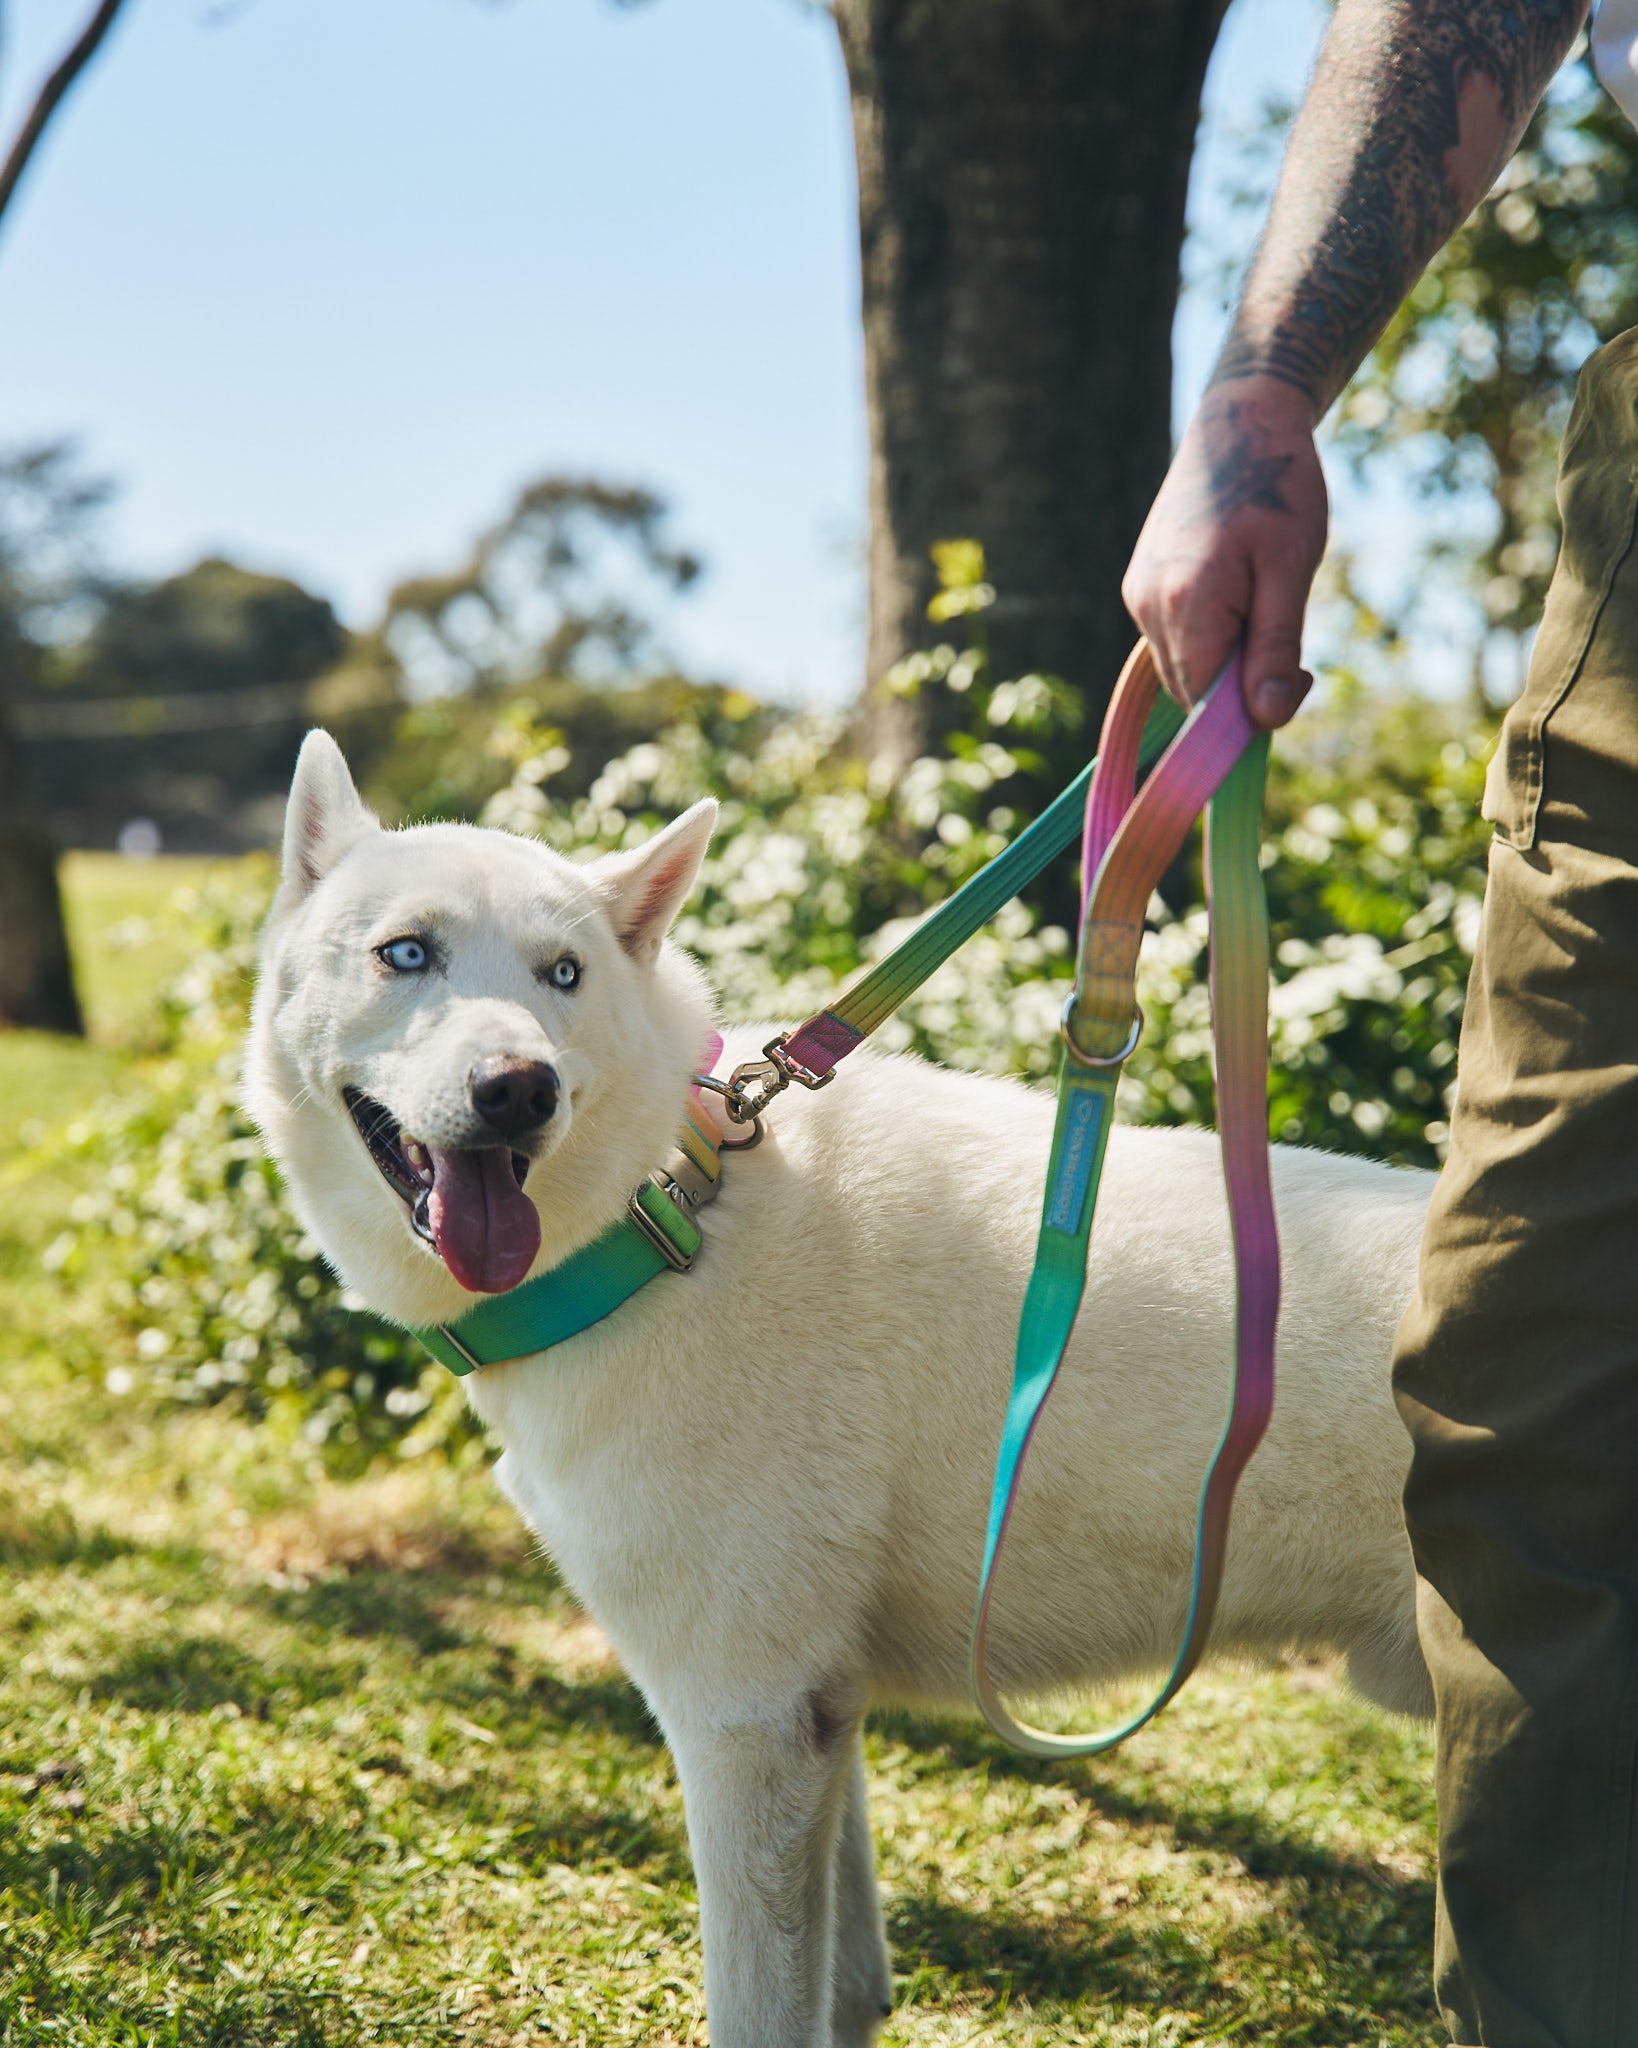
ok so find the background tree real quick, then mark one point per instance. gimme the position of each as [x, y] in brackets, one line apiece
[183, 701]
[1023, 166]
[541, 655]
[564, 586]
[36, 975]
[47, 584]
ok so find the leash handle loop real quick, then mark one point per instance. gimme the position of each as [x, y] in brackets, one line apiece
[1218, 759]
[1132, 836]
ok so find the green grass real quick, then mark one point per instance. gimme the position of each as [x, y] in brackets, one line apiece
[301, 1765]
[125, 946]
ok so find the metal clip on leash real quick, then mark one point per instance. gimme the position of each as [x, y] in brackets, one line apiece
[752, 1088]
[1131, 838]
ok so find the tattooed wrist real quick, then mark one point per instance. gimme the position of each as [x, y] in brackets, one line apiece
[1241, 465]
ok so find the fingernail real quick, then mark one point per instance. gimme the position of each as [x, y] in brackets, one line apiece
[1274, 700]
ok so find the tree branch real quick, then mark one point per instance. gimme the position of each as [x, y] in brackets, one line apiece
[50, 95]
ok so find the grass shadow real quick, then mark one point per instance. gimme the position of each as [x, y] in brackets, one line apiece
[612, 1704]
[218, 2013]
[609, 1835]
[1137, 1959]
[190, 1675]
[52, 1538]
[1267, 1849]
[1312, 1895]
[366, 1604]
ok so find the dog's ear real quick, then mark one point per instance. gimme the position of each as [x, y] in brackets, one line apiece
[323, 817]
[643, 891]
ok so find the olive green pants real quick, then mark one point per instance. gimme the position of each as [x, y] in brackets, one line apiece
[1517, 1362]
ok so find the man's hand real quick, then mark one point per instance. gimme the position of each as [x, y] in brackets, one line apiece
[1414, 107]
[1231, 545]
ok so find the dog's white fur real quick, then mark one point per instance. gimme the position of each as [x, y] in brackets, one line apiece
[768, 1481]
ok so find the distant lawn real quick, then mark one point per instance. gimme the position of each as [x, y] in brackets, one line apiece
[290, 1764]
[124, 945]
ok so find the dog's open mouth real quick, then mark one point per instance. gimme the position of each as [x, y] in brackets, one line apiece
[468, 1204]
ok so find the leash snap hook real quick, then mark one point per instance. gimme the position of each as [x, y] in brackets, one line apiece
[747, 1092]
[1089, 1059]
[752, 1087]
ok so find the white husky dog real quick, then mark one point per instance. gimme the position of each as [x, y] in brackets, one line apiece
[768, 1479]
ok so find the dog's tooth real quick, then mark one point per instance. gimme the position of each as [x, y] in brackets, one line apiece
[416, 1153]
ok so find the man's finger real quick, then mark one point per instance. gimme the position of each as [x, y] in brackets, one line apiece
[1201, 650]
[1145, 612]
[1274, 679]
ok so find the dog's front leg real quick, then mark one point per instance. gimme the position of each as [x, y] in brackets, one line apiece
[764, 1796]
[861, 1970]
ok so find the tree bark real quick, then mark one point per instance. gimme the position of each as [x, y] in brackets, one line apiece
[36, 973]
[1023, 166]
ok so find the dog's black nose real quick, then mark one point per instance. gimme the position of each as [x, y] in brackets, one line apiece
[513, 1096]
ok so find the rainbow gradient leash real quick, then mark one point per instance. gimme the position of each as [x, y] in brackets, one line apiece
[1218, 759]
[1215, 761]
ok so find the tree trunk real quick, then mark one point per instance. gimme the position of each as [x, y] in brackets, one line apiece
[36, 974]
[1023, 166]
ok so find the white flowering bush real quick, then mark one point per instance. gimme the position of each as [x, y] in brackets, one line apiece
[815, 872]
[1374, 864]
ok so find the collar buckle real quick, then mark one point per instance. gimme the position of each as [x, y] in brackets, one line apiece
[660, 1209]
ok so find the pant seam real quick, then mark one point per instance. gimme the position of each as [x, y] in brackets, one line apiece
[1523, 835]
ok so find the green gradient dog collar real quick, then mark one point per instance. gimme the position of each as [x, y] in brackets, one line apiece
[657, 1234]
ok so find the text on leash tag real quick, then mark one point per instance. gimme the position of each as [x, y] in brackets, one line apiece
[1075, 1167]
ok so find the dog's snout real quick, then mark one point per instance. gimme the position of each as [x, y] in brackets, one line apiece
[513, 1096]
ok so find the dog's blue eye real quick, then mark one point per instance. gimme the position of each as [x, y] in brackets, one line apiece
[404, 956]
[564, 973]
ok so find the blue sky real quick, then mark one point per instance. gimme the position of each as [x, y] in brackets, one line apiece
[320, 282]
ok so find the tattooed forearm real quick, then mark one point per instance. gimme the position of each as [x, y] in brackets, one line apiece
[1414, 108]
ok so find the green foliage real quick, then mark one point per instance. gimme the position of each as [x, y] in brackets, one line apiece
[1040, 715]
[215, 627]
[447, 757]
[1472, 383]
[49, 511]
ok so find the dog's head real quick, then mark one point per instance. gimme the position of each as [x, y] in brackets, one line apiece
[465, 1050]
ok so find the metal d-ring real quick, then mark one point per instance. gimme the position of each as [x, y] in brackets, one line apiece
[1090, 1059]
[758, 1133]
[725, 1090]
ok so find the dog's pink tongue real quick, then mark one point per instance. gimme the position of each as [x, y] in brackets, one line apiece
[483, 1224]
